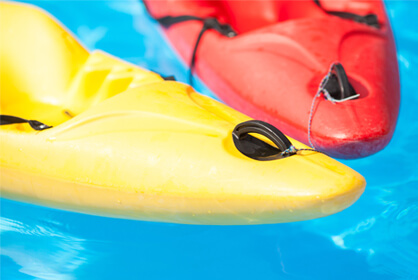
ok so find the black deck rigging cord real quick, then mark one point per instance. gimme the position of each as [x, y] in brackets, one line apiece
[37, 125]
[208, 23]
[369, 19]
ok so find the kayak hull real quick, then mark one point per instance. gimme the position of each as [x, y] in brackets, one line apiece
[125, 143]
[164, 207]
[272, 72]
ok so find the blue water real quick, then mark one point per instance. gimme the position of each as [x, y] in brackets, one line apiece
[376, 238]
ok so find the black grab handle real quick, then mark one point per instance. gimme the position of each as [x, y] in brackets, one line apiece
[257, 149]
[337, 84]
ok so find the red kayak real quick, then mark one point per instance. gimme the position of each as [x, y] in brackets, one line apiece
[324, 72]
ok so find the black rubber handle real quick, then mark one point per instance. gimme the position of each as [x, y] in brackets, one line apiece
[257, 149]
[338, 85]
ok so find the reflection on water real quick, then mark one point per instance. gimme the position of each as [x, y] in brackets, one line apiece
[384, 228]
[25, 243]
[377, 238]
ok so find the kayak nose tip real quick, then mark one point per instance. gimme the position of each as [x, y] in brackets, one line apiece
[349, 125]
[359, 148]
[341, 202]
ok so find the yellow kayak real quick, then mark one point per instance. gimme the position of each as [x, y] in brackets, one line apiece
[90, 133]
